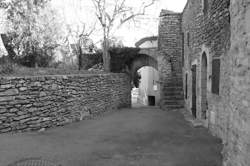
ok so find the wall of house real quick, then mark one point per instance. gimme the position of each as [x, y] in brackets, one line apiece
[222, 33]
[32, 103]
[237, 103]
[206, 33]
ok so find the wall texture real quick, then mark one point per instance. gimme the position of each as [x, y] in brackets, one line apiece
[170, 59]
[222, 32]
[237, 105]
[204, 32]
[32, 103]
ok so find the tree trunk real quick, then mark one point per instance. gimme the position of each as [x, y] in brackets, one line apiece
[106, 55]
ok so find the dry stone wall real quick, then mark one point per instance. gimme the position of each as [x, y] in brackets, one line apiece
[32, 103]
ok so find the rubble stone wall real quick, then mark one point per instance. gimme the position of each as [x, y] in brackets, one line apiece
[237, 105]
[208, 34]
[32, 103]
[222, 32]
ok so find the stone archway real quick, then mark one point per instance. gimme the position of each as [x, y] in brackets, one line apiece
[148, 69]
[204, 71]
[140, 61]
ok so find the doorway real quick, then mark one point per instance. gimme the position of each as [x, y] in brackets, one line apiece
[204, 105]
[151, 100]
[194, 91]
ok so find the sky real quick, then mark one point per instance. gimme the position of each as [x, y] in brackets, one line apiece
[75, 13]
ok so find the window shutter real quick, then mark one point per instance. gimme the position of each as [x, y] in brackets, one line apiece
[216, 76]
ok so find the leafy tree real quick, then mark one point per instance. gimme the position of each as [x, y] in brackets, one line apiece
[34, 30]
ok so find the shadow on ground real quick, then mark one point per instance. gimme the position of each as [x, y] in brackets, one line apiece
[129, 137]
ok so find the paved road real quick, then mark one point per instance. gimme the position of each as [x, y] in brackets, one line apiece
[130, 137]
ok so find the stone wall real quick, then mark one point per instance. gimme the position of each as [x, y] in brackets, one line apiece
[169, 44]
[237, 105]
[206, 33]
[170, 59]
[32, 103]
[222, 32]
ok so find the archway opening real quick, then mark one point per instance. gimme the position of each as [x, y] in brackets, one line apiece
[147, 93]
[204, 104]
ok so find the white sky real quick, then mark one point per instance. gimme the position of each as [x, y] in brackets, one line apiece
[74, 12]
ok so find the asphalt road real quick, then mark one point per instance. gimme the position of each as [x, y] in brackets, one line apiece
[129, 137]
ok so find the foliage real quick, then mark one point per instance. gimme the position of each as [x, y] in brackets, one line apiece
[6, 66]
[91, 59]
[17, 70]
[34, 30]
[136, 79]
[121, 58]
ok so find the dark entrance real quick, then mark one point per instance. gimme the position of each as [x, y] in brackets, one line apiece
[151, 100]
[194, 90]
[186, 87]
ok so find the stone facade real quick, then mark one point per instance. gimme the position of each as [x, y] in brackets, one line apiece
[215, 71]
[206, 39]
[32, 103]
[235, 105]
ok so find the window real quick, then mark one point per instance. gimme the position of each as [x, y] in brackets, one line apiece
[205, 6]
[216, 76]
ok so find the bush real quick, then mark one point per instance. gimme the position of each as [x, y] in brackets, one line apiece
[89, 60]
[120, 58]
[6, 66]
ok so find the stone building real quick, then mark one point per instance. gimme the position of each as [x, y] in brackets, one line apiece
[208, 46]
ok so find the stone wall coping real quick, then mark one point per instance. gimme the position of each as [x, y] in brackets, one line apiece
[64, 76]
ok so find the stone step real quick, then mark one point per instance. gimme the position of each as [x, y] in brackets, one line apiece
[172, 87]
[166, 107]
[170, 84]
[172, 93]
[173, 102]
[173, 80]
[173, 98]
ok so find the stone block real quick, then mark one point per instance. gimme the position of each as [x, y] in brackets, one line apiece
[6, 86]
[22, 89]
[6, 98]
[9, 92]
[21, 117]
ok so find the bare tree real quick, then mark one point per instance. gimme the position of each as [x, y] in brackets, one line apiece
[82, 42]
[113, 14]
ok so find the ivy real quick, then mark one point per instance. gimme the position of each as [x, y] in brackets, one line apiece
[121, 58]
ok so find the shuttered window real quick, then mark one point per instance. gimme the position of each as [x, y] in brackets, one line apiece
[188, 39]
[216, 76]
[205, 6]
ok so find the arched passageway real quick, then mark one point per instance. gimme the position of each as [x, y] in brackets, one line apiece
[140, 61]
[204, 85]
[147, 92]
